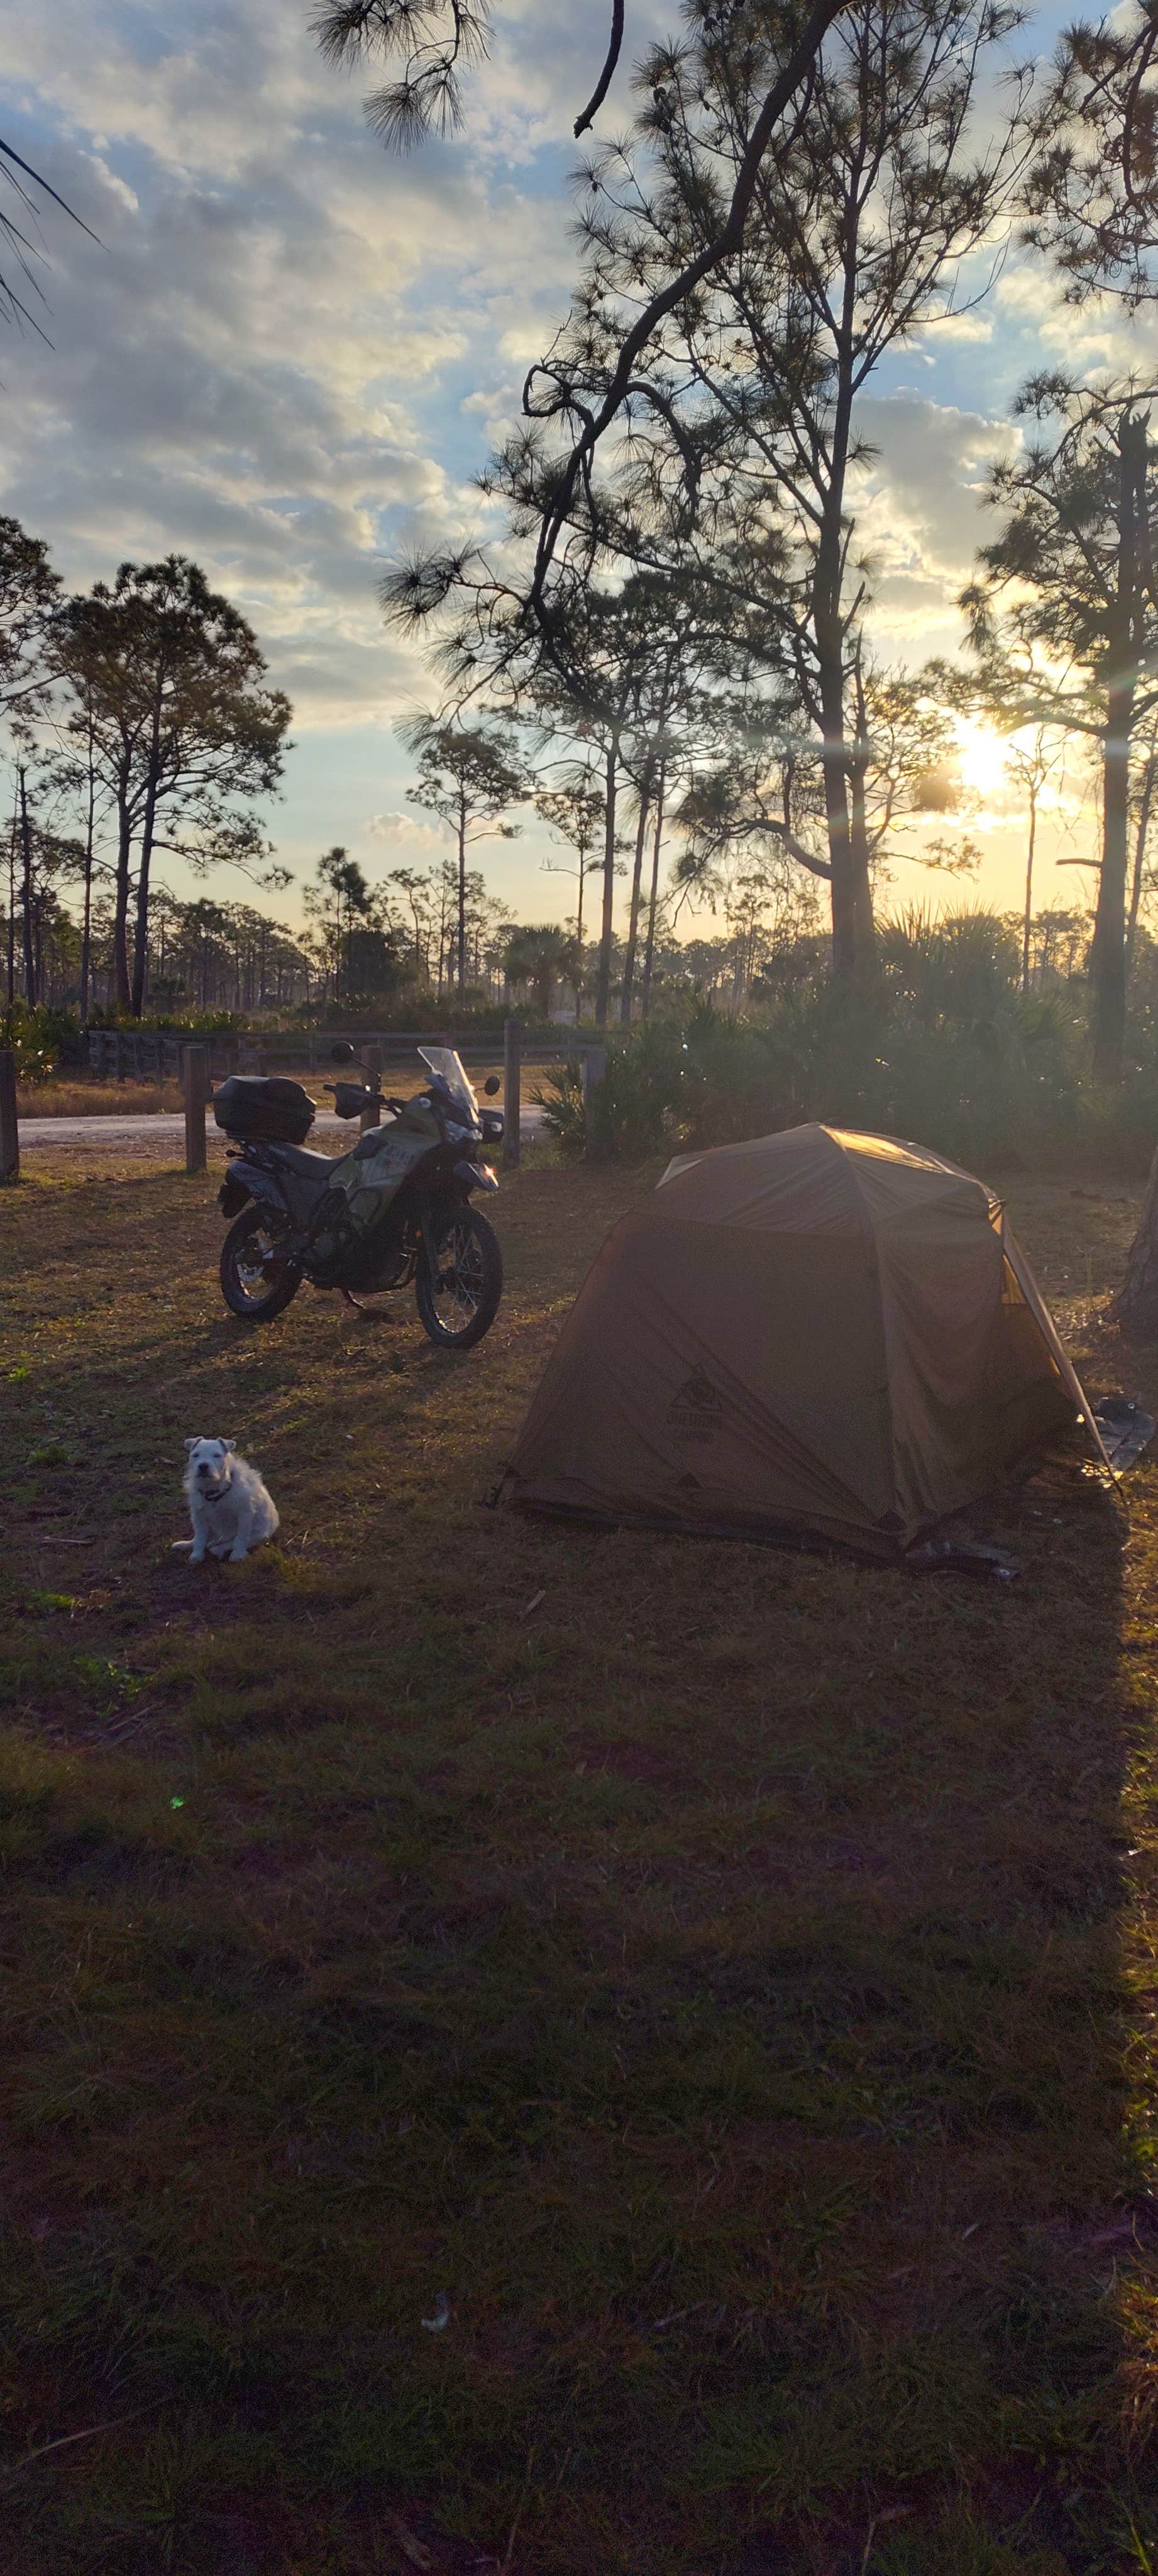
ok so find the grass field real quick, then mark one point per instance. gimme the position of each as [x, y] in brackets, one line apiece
[84, 1099]
[725, 1982]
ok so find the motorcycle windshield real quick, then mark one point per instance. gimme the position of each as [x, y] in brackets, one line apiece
[444, 1061]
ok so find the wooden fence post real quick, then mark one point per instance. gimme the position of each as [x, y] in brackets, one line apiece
[9, 1130]
[512, 1079]
[196, 1094]
[372, 1059]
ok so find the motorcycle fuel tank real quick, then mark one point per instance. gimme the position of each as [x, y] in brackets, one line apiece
[370, 1179]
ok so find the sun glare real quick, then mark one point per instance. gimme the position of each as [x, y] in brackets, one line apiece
[982, 755]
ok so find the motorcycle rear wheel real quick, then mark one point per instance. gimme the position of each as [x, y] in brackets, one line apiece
[459, 1302]
[257, 1281]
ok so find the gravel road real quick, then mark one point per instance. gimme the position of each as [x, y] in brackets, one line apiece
[158, 1136]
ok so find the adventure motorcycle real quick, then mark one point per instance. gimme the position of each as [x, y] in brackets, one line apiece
[395, 1210]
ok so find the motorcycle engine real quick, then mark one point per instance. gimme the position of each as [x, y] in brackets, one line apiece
[340, 1257]
[325, 1261]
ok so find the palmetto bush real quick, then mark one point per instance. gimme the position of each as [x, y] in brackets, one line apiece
[942, 1048]
[945, 1049]
[634, 1111]
[700, 1079]
[41, 1039]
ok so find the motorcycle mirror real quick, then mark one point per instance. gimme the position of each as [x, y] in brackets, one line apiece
[342, 1053]
[491, 1085]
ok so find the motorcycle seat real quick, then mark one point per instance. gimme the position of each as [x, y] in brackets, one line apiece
[313, 1167]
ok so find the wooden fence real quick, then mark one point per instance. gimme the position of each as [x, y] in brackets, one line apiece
[158, 1055]
[149, 1055]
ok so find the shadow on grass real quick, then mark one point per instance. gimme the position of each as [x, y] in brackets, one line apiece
[727, 1989]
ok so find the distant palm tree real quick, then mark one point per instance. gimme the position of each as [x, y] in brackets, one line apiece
[541, 954]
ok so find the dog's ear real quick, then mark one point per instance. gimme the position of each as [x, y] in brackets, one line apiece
[229, 1444]
[194, 1444]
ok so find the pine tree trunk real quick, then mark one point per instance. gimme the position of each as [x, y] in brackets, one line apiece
[851, 898]
[12, 909]
[86, 925]
[1140, 839]
[846, 909]
[603, 981]
[864, 929]
[579, 935]
[148, 831]
[121, 913]
[1137, 1300]
[1108, 950]
[633, 922]
[653, 899]
[842, 891]
[141, 930]
[26, 899]
[1027, 921]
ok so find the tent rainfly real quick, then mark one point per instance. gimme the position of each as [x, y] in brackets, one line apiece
[812, 1333]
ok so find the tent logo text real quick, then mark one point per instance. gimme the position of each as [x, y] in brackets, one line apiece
[697, 1412]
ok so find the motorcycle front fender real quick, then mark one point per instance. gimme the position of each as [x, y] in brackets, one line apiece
[475, 1176]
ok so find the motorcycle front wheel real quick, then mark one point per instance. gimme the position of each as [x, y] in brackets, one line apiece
[257, 1276]
[459, 1280]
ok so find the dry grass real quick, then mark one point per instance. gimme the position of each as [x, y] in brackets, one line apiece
[96, 1099]
[730, 1983]
[83, 1099]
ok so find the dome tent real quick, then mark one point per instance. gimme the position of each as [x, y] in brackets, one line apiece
[812, 1333]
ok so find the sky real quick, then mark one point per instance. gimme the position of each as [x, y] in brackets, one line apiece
[288, 354]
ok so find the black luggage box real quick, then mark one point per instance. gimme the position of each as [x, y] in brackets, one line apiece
[265, 1107]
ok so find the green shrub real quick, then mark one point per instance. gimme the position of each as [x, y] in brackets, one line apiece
[189, 1023]
[42, 1039]
[942, 1048]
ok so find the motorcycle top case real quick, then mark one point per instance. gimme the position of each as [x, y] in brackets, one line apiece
[265, 1108]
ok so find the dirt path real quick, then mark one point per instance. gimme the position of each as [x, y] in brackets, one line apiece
[157, 1136]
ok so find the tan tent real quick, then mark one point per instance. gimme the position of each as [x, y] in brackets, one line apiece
[813, 1332]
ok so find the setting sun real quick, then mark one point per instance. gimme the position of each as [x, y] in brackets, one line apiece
[982, 755]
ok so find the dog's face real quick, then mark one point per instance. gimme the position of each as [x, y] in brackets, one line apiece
[210, 1464]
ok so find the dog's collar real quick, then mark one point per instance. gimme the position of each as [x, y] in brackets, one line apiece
[218, 1491]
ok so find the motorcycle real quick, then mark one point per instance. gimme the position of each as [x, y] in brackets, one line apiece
[395, 1211]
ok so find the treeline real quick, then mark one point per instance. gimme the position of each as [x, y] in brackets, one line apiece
[140, 722]
[945, 1046]
[686, 597]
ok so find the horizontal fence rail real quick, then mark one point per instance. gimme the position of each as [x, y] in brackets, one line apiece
[158, 1055]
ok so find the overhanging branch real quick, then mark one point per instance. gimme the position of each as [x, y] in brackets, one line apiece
[603, 84]
[728, 240]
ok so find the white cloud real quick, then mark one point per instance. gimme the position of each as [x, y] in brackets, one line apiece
[286, 353]
[405, 832]
[252, 362]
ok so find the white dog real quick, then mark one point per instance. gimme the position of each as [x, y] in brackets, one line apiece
[228, 1503]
